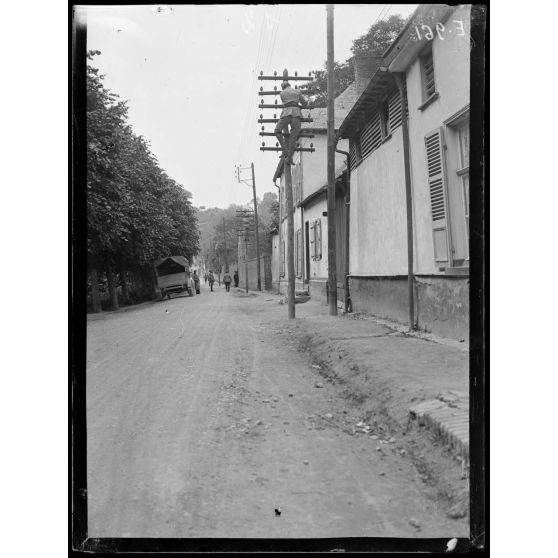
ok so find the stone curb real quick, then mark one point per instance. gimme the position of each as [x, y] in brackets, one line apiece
[451, 423]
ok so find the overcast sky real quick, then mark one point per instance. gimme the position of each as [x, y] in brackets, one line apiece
[189, 74]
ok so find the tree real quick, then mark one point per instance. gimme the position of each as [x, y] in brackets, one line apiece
[380, 35]
[376, 40]
[136, 213]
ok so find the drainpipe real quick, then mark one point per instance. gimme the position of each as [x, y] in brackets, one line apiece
[348, 306]
[399, 77]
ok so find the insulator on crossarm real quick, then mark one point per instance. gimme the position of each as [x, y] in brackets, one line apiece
[261, 115]
[309, 74]
[261, 88]
[311, 145]
[274, 88]
[274, 73]
[276, 144]
[274, 116]
[263, 128]
[296, 74]
[261, 72]
[275, 101]
[263, 143]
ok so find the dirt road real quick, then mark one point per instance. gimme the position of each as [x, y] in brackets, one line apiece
[201, 422]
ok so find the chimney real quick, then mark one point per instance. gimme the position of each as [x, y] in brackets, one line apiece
[365, 65]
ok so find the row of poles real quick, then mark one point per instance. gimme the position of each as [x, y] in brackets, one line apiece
[331, 144]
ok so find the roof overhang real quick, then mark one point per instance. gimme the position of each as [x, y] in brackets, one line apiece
[405, 49]
[397, 58]
[374, 93]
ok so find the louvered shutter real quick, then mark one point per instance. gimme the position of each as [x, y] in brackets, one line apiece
[428, 73]
[313, 240]
[394, 110]
[371, 136]
[352, 155]
[438, 195]
[319, 239]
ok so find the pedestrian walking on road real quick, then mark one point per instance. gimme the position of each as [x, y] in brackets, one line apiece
[227, 280]
[191, 286]
[196, 281]
[211, 279]
[236, 279]
[205, 277]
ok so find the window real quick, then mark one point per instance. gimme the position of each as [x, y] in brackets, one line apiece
[429, 92]
[447, 160]
[463, 172]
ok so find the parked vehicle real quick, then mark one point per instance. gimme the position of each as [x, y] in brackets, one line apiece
[173, 276]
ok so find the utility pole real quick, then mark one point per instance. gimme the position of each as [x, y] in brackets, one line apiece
[331, 262]
[238, 170]
[257, 229]
[288, 175]
[244, 229]
[225, 244]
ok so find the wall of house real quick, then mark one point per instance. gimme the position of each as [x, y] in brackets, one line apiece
[314, 165]
[265, 273]
[441, 302]
[318, 268]
[378, 218]
[451, 71]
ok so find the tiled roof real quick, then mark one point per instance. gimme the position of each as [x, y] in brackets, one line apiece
[343, 104]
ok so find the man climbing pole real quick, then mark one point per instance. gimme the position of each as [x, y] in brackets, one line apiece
[290, 115]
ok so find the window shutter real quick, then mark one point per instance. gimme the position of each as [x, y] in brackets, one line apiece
[318, 239]
[313, 240]
[299, 252]
[438, 195]
[394, 110]
[371, 136]
[428, 69]
[352, 155]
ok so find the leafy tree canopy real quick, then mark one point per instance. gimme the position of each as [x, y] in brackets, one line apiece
[135, 212]
[375, 41]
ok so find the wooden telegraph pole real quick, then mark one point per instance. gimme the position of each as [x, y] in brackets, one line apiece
[331, 262]
[288, 175]
[225, 244]
[238, 169]
[290, 240]
[244, 229]
[257, 229]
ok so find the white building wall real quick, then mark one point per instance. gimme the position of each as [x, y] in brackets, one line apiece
[378, 219]
[318, 268]
[451, 70]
